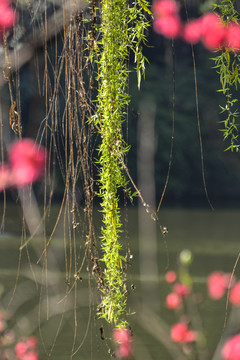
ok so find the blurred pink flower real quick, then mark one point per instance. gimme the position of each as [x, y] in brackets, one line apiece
[182, 289]
[193, 31]
[30, 355]
[124, 351]
[232, 39]
[170, 277]
[178, 332]
[230, 280]
[165, 8]
[124, 339]
[121, 335]
[5, 176]
[234, 296]
[169, 26]
[32, 342]
[27, 162]
[210, 29]
[190, 336]
[231, 349]
[20, 349]
[217, 283]
[173, 301]
[8, 16]
[26, 350]
[213, 31]
[181, 333]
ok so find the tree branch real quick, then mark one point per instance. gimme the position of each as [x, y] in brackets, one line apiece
[55, 23]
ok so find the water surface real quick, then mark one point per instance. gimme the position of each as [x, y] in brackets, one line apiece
[66, 323]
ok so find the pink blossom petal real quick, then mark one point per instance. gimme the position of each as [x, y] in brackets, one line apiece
[5, 176]
[21, 348]
[124, 339]
[232, 40]
[122, 335]
[5, 2]
[171, 276]
[182, 289]
[32, 341]
[190, 336]
[169, 26]
[31, 355]
[234, 296]
[173, 301]
[193, 31]
[178, 332]
[124, 351]
[217, 283]
[8, 16]
[24, 175]
[165, 8]
[28, 161]
[213, 31]
[230, 280]
[231, 349]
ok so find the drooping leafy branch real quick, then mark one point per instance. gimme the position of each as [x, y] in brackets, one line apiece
[227, 65]
[218, 32]
[122, 29]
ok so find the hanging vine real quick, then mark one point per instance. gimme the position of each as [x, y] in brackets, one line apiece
[122, 29]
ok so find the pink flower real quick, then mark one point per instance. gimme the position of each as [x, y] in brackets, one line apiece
[122, 336]
[165, 8]
[124, 339]
[173, 301]
[190, 336]
[5, 176]
[30, 355]
[178, 332]
[181, 333]
[231, 349]
[8, 16]
[209, 28]
[217, 283]
[32, 341]
[232, 40]
[25, 350]
[193, 31]
[27, 162]
[213, 31]
[21, 348]
[182, 289]
[234, 296]
[171, 277]
[124, 351]
[169, 26]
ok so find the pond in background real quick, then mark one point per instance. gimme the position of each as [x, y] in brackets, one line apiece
[213, 238]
